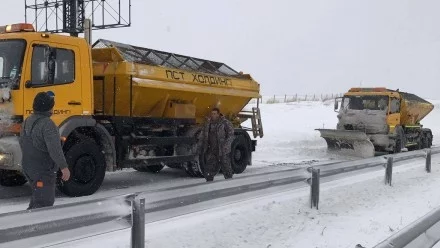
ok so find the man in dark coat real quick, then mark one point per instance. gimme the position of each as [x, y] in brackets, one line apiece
[43, 155]
[217, 137]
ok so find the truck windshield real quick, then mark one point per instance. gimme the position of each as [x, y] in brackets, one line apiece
[11, 59]
[365, 102]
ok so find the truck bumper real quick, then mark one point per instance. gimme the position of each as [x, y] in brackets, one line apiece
[10, 153]
[381, 140]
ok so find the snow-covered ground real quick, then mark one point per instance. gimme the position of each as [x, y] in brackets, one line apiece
[289, 132]
[357, 210]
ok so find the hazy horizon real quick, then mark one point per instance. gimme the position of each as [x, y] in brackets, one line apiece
[295, 47]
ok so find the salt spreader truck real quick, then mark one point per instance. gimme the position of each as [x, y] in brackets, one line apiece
[118, 106]
[379, 120]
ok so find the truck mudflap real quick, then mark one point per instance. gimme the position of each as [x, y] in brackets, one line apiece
[347, 142]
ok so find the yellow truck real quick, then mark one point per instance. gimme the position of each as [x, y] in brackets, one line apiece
[118, 106]
[379, 120]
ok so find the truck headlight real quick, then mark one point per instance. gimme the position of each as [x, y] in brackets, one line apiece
[6, 159]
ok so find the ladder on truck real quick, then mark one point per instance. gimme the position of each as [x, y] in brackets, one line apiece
[255, 115]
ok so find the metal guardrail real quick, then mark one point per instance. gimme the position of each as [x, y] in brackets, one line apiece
[270, 99]
[318, 172]
[423, 233]
[19, 229]
[122, 212]
[354, 166]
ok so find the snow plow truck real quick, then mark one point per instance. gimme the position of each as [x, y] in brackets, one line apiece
[118, 106]
[374, 120]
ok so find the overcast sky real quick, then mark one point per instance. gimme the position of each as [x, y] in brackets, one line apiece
[295, 46]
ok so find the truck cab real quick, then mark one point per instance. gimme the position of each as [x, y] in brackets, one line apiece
[375, 112]
[32, 62]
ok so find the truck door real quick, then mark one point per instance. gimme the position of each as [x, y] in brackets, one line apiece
[394, 113]
[54, 69]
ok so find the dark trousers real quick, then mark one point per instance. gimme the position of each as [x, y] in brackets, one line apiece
[213, 164]
[43, 191]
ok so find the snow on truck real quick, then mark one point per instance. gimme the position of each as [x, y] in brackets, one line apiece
[379, 120]
[118, 106]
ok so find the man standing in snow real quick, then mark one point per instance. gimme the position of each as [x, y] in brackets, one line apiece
[217, 137]
[43, 155]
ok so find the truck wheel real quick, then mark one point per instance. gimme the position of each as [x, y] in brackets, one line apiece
[424, 142]
[151, 168]
[398, 146]
[10, 178]
[194, 169]
[399, 140]
[191, 169]
[200, 172]
[420, 144]
[429, 140]
[87, 169]
[240, 154]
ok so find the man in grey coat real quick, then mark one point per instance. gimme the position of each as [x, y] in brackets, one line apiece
[217, 137]
[43, 155]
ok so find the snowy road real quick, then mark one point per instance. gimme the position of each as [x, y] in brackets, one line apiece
[276, 221]
[129, 181]
[355, 209]
[291, 143]
[196, 198]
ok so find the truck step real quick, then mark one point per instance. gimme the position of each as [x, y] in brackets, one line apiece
[145, 140]
[157, 160]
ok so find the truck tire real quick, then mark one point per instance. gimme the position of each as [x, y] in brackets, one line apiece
[151, 168]
[429, 140]
[87, 169]
[400, 142]
[398, 147]
[420, 144]
[426, 140]
[193, 168]
[240, 154]
[190, 169]
[11, 178]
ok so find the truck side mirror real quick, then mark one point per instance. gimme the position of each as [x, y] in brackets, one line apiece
[336, 104]
[28, 84]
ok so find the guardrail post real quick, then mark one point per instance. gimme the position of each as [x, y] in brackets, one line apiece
[314, 188]
[138, 223]
[389, 171]
[428, 160]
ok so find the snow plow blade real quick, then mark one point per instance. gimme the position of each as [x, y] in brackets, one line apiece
[353, 143]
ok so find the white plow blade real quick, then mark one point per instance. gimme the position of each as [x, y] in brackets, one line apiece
[354, 143]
